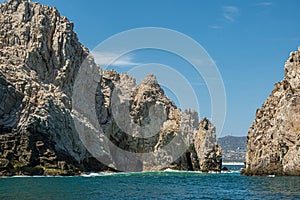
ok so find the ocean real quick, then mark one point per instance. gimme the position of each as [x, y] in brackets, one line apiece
[151, 185]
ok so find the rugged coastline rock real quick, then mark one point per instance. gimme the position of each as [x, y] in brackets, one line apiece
[204, 154]
[39, 60]
[39, 57]
[273, 142]
[152, 113]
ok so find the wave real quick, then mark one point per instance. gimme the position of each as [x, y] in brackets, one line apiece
[200, 172]
[231, 172]
[179, 171]
[166, 172]
[150, 173]
[95, 174]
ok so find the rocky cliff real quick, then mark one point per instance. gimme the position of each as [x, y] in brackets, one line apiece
[40, 57]
[273, 142]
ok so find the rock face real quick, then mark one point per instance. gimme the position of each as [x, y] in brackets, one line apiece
[209, 154]
[204, 154]
[273, 142]
[125, 110]
[40, 58]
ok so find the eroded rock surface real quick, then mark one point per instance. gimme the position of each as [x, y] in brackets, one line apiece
[273, 142]
[140, 118]
[40, 59]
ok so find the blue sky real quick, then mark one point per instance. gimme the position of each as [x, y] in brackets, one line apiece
[249, 41]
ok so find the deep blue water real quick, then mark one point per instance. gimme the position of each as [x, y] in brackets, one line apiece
[151, 185]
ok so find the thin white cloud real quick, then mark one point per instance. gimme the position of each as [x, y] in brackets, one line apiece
[216, 27]
[115, 59]
[265, 3]
[230, 13]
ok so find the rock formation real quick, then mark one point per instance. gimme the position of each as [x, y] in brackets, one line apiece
[209, 154]
[150, 112]
[203, 154]
[273, 142]
[40, 58]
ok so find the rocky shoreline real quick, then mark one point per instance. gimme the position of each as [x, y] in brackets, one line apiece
[39, 60]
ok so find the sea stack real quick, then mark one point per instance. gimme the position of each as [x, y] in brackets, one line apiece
[40, 57]
[273, 142]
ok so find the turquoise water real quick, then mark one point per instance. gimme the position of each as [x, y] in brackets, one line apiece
[151, 185]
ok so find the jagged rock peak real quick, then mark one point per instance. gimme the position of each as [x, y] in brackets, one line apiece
[205, 143]
[292, 69]
[19, 1]
[206, 125]
[150, 79]
[36, 37]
